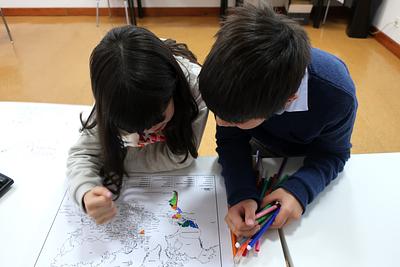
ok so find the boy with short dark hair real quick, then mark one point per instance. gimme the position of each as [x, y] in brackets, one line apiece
[264, 82]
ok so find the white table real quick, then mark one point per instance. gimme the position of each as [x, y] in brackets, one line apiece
[355, 221]
[34, 141]
[271, 253]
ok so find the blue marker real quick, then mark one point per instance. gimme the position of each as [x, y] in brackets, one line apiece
[263, 229]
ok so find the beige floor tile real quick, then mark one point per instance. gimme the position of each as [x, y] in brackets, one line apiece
[49, 63]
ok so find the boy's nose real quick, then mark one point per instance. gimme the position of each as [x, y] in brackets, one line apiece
[223, 123]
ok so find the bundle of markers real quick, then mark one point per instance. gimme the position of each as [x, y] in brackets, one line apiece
[264, 217]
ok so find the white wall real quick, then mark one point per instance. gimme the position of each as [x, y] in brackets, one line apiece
[92, 3]
[388, 11]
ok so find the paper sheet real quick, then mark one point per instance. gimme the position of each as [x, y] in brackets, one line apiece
[162, 221]
[43, 131]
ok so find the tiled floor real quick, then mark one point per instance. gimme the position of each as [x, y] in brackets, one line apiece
[49, 63]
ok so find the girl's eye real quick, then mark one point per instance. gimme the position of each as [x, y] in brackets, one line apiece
[161, 119]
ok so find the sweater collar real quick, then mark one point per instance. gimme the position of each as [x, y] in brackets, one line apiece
[301, 102]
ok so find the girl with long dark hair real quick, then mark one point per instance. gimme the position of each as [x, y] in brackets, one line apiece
[148, 116]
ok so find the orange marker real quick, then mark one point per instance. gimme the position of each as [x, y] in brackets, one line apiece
[234, 249]
[240, 252]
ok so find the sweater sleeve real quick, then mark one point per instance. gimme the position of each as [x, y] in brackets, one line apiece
[234, 153]
[83, 165]
[326, 157]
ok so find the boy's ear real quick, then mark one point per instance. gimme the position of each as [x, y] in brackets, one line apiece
[292, 98]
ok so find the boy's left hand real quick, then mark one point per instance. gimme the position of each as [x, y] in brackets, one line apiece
[290, 210]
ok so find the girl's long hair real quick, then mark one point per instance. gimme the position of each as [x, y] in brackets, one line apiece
[134, 76]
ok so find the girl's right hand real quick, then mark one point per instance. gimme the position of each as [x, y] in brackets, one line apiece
[99, 204]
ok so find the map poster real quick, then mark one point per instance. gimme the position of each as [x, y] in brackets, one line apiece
[163, 221]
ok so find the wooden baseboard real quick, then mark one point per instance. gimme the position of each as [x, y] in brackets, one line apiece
[387, 42]
[147, 11]
[180, 11]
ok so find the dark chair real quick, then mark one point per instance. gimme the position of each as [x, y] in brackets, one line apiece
[222, 12]
[109, 11]
[224, 6]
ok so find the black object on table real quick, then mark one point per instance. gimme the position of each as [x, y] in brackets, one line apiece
[5, 184]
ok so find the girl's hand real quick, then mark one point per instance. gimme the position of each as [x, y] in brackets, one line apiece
[99, 204]
[241, 218]
[290, 210]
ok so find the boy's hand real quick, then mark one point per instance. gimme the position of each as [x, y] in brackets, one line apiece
[290, 210]
[241, 218]
[99, 204]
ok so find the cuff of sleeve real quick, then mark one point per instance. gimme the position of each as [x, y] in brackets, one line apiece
[80, 192]
[243, 195]
[298, 190]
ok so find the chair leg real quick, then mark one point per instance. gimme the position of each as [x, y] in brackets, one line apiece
[109, 8]
[126, 12]
[131, 7]
[326, 11]
[222, 10]
[8, 29]
[97, 13]
[140, 9]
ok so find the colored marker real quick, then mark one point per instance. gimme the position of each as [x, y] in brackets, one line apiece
[234, 248]
[240, 251]
[272, 184]
[266, 211]
[258, 246]
[244, 253]
[263, 229]
[282, 167]
[264, 188]
[282, 181]
[263, 219]
[240, 242]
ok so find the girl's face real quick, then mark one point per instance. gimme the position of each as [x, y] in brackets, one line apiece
[168, 113]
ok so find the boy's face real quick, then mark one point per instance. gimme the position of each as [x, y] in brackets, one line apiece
[250, 124]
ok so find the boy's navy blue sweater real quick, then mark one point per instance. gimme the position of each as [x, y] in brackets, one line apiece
[322, 134]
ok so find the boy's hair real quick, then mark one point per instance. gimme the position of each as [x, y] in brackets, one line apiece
[255, 65]
[134, 76]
